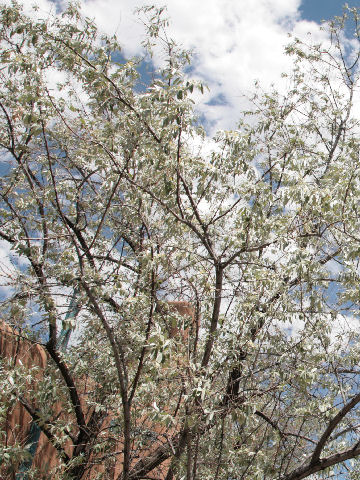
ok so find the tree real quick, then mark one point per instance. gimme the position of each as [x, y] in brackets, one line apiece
[112, 213]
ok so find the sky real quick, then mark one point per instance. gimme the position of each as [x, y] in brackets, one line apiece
[235, 42]
[318, 10]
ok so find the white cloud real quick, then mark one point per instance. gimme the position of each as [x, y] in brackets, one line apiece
[45, 7]
[8, 269]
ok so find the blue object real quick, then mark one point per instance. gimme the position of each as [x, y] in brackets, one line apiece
[33, 440]
[72, 312]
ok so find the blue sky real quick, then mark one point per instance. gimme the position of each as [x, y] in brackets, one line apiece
[318, 10]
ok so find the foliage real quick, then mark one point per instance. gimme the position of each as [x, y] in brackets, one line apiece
[107, 194]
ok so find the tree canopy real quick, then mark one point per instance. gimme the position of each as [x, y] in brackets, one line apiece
[115, 205]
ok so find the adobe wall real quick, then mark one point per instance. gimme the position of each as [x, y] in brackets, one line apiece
[19, 350]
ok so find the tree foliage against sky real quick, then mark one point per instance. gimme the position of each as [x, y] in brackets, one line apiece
[113, 196]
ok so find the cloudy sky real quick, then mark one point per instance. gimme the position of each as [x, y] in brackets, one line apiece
[235, 41]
